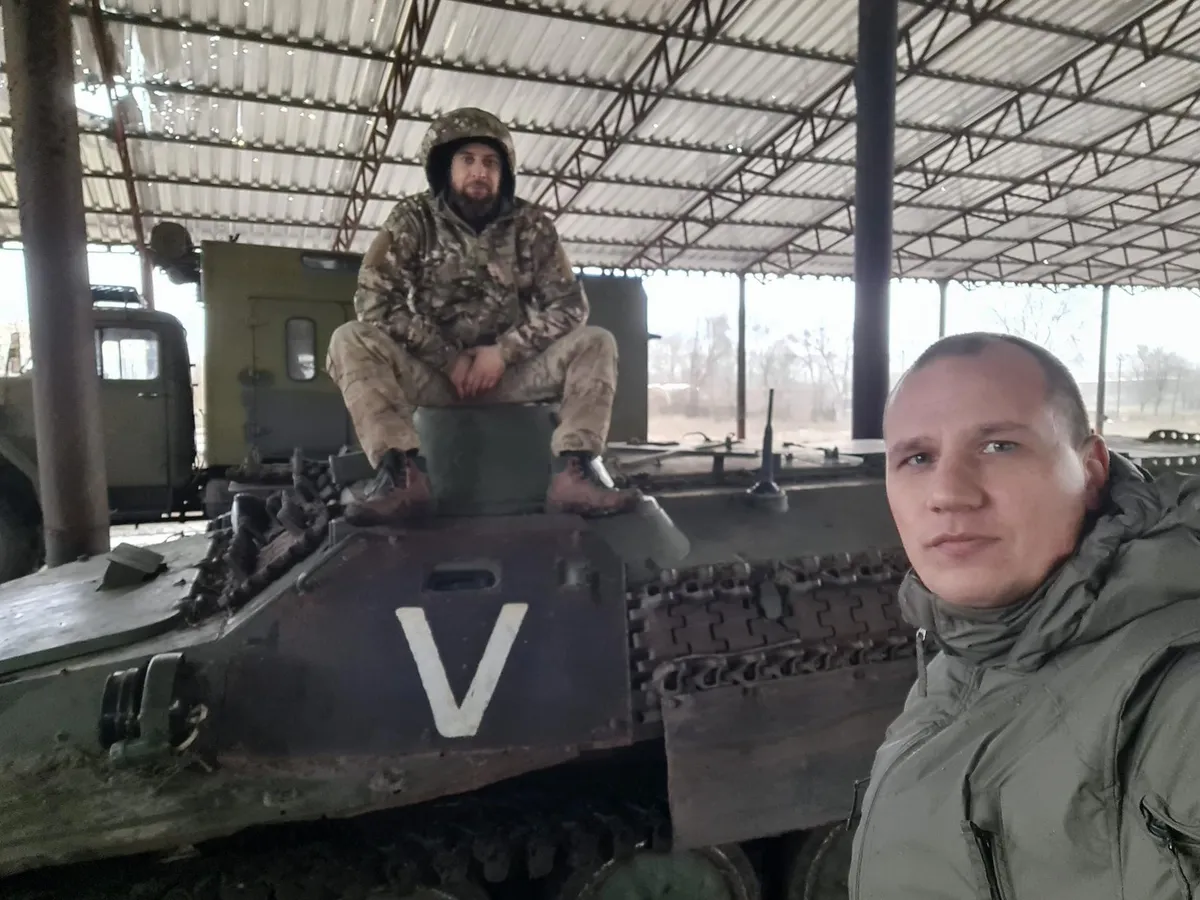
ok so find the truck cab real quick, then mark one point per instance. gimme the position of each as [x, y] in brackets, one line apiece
[147, 415]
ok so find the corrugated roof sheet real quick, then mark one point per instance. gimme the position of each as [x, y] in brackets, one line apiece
[1050, 140]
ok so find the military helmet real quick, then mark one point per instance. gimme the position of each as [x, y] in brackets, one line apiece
[461, 126]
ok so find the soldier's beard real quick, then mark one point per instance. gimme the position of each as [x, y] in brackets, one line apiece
[475, 210]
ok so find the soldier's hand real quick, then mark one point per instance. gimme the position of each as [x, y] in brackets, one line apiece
[459, 370]
[485, 371]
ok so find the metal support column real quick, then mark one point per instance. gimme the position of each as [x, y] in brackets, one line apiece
[66, 390]
[1101, 383]
[875, 88]
[741, 358]
[147, 280]
[943, 290]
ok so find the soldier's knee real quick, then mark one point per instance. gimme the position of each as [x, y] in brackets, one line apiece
[352, 340]
[599, 340]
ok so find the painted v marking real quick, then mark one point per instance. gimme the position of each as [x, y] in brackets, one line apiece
[449, 717]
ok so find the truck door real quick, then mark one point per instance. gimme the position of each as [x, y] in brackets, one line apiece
[291, 401]
[135, 403]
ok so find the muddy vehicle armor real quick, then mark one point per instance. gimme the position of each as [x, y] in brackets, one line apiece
[674, 702]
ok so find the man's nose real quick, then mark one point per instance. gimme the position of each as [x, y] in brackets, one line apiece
[956, 485]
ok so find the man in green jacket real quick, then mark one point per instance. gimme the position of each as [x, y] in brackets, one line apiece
[1050, 750]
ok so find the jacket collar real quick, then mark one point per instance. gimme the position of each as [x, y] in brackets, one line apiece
[1138, 555]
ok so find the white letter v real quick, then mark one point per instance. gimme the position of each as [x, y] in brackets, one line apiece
[451, 719]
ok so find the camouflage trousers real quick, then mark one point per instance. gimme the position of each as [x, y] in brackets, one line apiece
[383, 384]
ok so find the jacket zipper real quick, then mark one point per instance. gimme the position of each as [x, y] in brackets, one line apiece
[1170, 837]
[985, 841]
[922, 737]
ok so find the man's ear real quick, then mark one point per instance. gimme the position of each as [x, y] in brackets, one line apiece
[1096, 470]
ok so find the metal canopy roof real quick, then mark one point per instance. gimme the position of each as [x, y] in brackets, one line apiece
[1037, 140]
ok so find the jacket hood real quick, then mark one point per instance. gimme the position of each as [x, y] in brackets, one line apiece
[460, 126]
[1139, 555]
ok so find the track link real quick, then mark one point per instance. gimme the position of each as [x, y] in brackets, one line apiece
[718, 625]
[494, 837]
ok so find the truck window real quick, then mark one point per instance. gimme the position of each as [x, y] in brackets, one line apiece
[127, 354]
[301, 339]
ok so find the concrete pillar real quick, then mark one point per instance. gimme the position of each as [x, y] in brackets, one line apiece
[66, 391]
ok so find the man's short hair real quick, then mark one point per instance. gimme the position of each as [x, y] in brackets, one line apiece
[1061, 387]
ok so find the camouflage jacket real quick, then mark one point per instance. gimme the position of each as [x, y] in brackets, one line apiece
[438, 288]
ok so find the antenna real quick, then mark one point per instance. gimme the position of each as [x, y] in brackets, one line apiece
[766, 494]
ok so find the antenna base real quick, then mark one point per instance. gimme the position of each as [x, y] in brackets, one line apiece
[767, 496]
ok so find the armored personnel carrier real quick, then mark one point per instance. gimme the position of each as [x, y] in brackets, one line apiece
[498, 702]
[495, 703]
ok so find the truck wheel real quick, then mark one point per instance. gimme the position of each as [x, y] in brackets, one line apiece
[20, 542]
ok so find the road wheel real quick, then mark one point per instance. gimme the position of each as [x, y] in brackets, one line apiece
[710, 873]
[819, 869]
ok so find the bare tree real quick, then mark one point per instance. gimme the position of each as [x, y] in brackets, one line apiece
[1048, 319]
[712, 349]
[828, 372]
[1158, 369]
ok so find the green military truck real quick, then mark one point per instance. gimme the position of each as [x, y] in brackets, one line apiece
[268, 312]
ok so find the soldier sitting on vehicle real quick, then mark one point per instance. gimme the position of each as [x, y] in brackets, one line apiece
[466, 294]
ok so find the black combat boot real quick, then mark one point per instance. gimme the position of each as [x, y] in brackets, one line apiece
[575, 488]
[399, 492]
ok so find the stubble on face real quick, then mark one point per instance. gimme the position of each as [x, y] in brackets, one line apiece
[987, 491]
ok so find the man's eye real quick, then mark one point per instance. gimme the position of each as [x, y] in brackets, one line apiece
[999, 446]
[915, 459]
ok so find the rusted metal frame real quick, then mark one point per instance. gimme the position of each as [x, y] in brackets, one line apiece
[670, 60]
[1125, 277]
[572, 81]
[1069, 82]
[1097, 244]
[410, 41]
[1164, 254]
[1082, 273]
[364, 53]
[654, 29]
[106, 53]
[717, 193]
[309, 191]
[632, 140]
[1068, 71]
[1161, 204]
[151, 20]
[791, 135]
[1053, 194]
[767, 265]
[1136, 41]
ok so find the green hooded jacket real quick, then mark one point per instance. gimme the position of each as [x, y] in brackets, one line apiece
[1051, 750]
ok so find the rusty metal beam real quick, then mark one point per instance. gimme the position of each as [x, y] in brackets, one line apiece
[804, 133]
[415, 24]
[72, 483]
[1157, 242]
[962, 8]
[106, 53]
[1089, 232]
[1084, 74]
[915, 61]
[671, 58]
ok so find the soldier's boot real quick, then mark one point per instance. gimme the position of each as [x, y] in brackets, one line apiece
[399, 492]
[574, 488]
